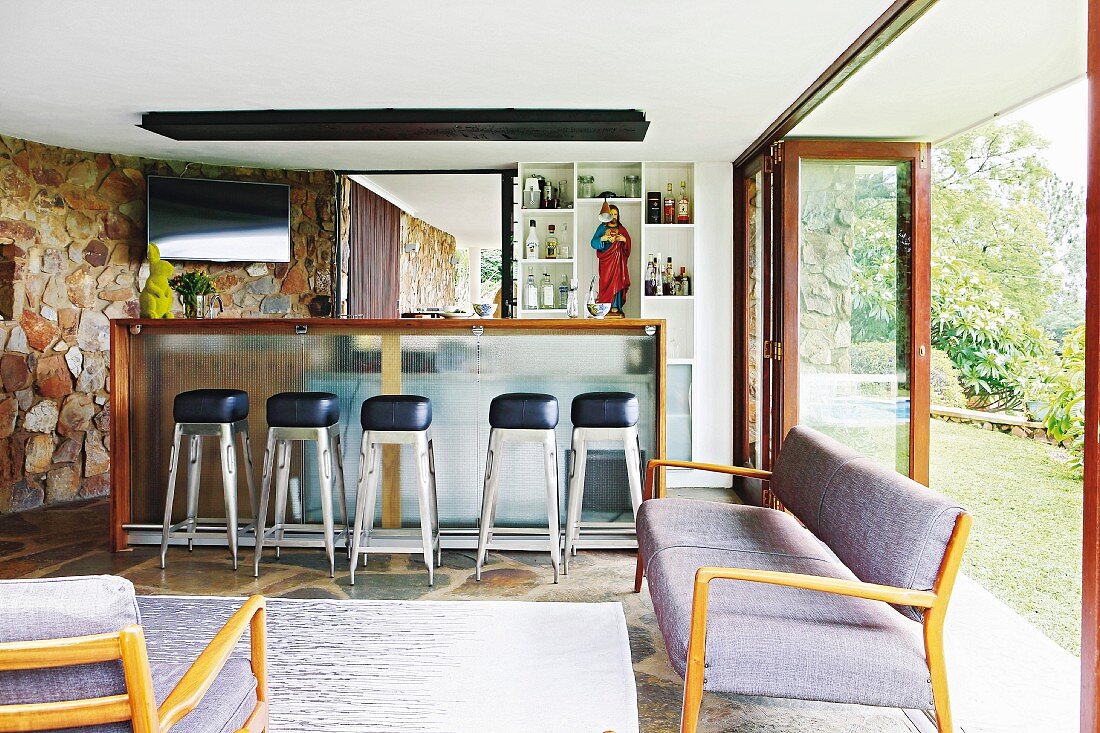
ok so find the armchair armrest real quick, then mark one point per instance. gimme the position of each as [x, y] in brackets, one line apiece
[200, 676]
[836, 586]
[656, 463]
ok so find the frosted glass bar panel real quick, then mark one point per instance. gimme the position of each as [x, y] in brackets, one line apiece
[459, 369]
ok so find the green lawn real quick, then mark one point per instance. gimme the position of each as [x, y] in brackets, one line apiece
[1025, 547]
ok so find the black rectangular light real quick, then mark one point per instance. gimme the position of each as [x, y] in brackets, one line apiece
[543, 125]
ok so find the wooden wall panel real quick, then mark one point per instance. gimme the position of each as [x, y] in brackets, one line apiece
[374, 260]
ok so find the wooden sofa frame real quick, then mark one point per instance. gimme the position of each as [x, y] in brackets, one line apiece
[138, 705]
[934, 601]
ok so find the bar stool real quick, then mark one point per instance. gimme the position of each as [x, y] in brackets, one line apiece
[221, 413]
[601, 416]
[521, 417]
[396, 420]
[301, 416]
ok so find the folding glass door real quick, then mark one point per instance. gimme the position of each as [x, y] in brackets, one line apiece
[850, 297]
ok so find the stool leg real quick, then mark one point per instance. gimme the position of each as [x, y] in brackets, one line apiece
[265, 496]
[229, 487]
[282, 487]
[170, 495]
[632, 448]
[374, 473]
[366, 454]
[194, 472]
[435, 503]
[576, 495]
[423, 471]
[250, 471]
[488, 499]
[553, 513]
[338, 470]
[324, 469]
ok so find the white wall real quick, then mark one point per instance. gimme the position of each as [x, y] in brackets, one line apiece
[712, 396]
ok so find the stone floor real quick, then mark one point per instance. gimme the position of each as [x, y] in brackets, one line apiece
[72, 541]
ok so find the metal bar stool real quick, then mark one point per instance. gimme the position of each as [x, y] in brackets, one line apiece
[396, 420]
[521, 417]
[601, 416]
[304, 416]
[199, 413]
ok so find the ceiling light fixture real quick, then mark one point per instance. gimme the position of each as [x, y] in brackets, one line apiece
[508, 124]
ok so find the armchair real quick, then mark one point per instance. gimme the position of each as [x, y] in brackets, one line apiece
[73, 655]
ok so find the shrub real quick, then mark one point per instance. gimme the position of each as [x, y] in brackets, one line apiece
[1066, 417]
[879, 357]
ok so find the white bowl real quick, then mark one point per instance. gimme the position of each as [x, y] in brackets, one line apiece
[485, 310]
[599, 310]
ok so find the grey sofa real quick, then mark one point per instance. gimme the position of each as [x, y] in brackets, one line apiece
[839, 599]
[47, 626]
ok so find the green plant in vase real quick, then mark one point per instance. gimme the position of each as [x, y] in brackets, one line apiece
[193, 287]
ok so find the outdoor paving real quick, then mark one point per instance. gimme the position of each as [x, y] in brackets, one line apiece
[1004, 672]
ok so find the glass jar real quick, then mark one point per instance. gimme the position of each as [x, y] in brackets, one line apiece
[586, 187]
[632, 187]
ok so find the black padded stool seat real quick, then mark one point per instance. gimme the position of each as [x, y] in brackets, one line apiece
[397, 412]
[210, 405]
[303, 410]
[604, 410]
[524, 411]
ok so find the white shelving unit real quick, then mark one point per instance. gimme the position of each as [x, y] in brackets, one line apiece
[647, 241]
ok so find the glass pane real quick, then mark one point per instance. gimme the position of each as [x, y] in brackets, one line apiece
[853, 350]
[755, 324]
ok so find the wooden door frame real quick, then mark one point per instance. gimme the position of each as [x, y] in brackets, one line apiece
[787, 218]
[1090, 565]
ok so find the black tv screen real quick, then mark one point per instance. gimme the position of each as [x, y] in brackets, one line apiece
[224, 221]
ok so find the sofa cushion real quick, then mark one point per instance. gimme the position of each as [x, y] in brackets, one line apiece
[54, 608]
[805, 466]
[885, 527]
[787, 642]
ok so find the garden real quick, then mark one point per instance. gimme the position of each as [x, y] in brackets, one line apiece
[1008, 339]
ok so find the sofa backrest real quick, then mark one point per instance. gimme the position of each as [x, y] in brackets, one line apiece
[54, 608]
[885, 527]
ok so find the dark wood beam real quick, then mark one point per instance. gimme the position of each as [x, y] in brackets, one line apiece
[898, 17]
[510, 124]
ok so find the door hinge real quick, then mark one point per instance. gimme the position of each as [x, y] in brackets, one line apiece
[777, 151]
[778, 351]
[768, 166]
[773, 350]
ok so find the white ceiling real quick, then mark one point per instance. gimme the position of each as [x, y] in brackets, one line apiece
[962, 63]
[710, 75]
[465, 205]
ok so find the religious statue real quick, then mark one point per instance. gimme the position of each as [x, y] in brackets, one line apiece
[612, 244]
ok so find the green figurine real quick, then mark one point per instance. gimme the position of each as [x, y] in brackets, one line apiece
[156, 296]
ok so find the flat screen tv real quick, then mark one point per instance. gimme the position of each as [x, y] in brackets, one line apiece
[222, 221]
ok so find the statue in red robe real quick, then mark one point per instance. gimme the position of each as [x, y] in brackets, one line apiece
[612, 244]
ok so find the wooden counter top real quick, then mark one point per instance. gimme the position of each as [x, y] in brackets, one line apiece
[431, 324]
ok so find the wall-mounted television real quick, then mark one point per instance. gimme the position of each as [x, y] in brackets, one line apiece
[221, 221]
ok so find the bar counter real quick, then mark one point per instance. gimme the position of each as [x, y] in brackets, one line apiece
[460, 364]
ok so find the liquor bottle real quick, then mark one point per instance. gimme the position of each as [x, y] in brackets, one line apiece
[683, 207]
[546, 290]
[562, 202]
[531, 293]
[532, 242]
[685, 282]
[551, 244]
[548, 195]
[653, 207]
[659, 279]
[669, 211]
[650, 279]
[668, 275]
[563, 293]
[564, 242]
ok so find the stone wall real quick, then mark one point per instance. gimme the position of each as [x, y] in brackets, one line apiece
[825, 266]
[72, 242]
[430, 275]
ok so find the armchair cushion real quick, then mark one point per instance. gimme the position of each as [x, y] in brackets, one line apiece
[54, 608]
[768, 640]
[224, 708]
